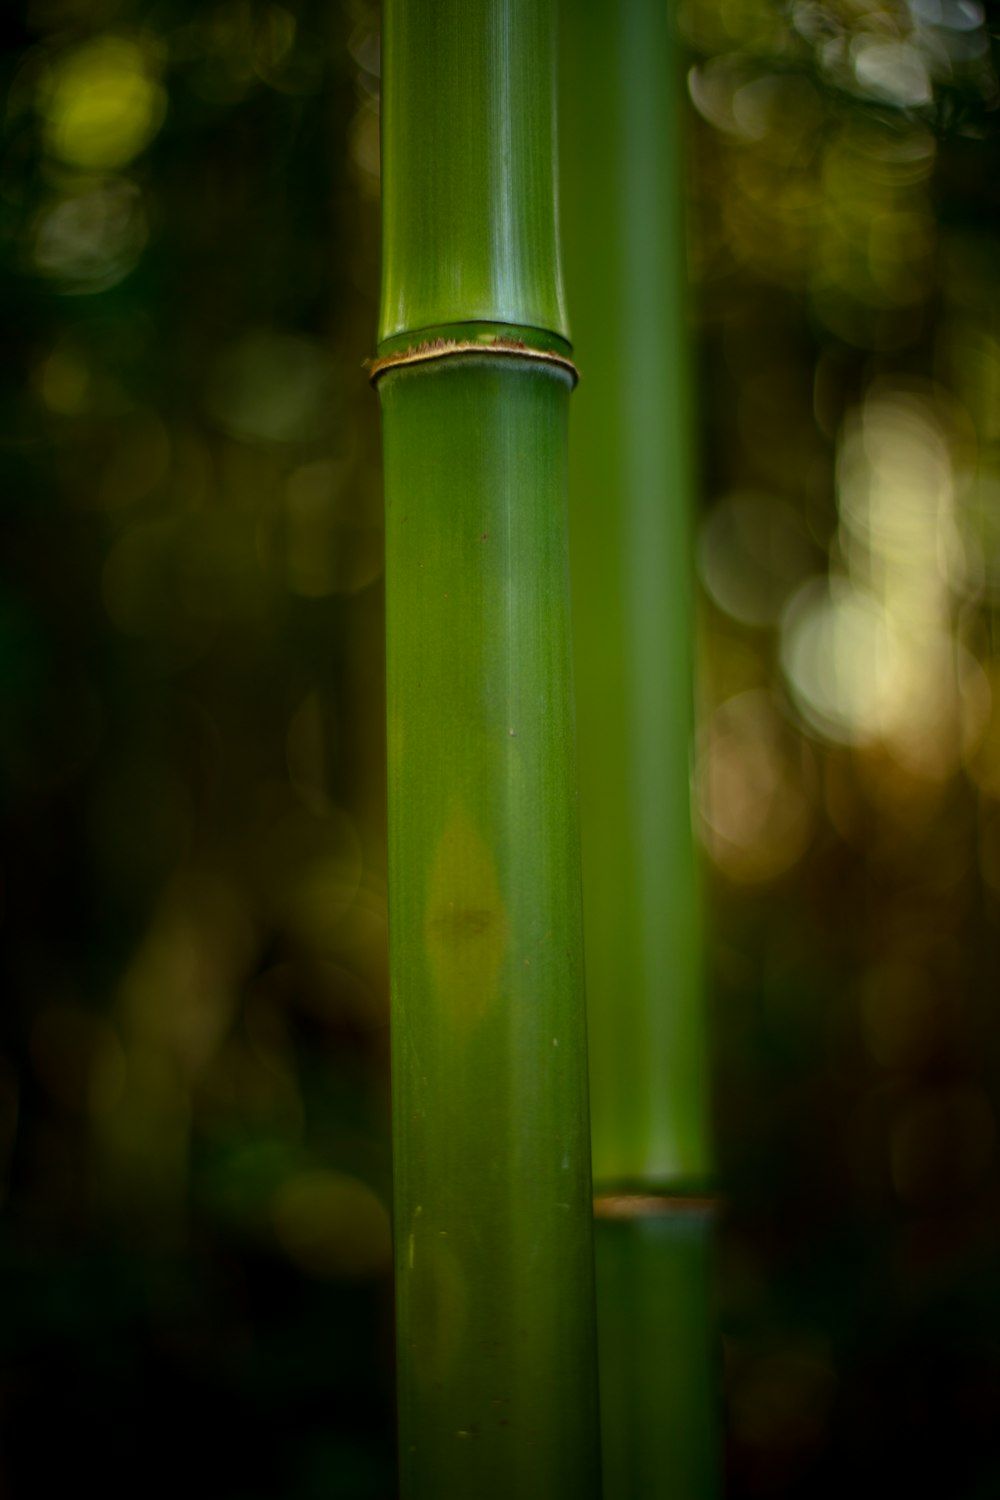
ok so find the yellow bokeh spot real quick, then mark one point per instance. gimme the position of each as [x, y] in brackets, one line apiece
[63, 382]
[104, 108]
[331, 1224]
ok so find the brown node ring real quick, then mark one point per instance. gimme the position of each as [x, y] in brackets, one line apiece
[445, 348]
[651, 1205]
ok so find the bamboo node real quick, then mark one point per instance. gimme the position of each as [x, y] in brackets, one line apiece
[651, 1205]
[441, 348]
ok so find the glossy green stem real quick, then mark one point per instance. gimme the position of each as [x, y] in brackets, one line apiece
[630, 489]
[631, 507]
[469, 223]
[659, 1384]
[494, 1276]
[496, 1334]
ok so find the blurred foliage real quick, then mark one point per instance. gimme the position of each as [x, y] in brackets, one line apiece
[193, 1042]
[846, 257]
[193, 1045]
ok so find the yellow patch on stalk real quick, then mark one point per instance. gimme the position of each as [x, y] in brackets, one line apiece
[466, 923]
[437, 1299]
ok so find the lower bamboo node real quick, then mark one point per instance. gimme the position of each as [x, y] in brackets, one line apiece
[653, 1205]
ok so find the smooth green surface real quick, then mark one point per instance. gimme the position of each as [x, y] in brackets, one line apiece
[497, 1381]
[469, 228]
[631, 500]
[630, 497]
[659, 1382]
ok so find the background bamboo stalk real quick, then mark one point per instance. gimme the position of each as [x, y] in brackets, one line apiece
[633, 628]
[631, 493]
[494, 1275]
[658, 1416]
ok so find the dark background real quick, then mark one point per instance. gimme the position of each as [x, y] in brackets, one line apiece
[194, 1160]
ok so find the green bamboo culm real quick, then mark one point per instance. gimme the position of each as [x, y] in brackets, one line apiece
[631, 498]
[658, 1378]
[631, 493]
[492, 1190]
[468, 167]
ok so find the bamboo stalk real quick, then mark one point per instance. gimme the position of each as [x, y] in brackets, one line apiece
[494, 1276]
[658, 1417]
[632, 569]
[631, 494]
